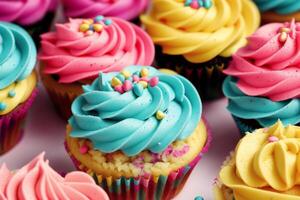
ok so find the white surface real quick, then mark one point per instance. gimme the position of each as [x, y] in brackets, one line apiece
[45, 132]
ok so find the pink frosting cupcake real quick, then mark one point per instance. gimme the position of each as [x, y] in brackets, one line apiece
[80, 49]
[129, 9]
[34, 15]
[37, 180]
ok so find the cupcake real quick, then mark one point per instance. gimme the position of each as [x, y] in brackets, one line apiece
[197, 38]
[263, 81]
[128, 10]
[17, 82]
[37, 180]
[264, 165]
[139, 138]
[78, 50]
[33, 15]
[279, 11]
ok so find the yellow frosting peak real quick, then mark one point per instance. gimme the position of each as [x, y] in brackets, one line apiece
[265, 165]
[201, 34]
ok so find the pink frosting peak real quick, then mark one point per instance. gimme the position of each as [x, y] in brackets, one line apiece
[74, 55]
[38, 181]
[25, 12]
[126, 9]
[269, 65]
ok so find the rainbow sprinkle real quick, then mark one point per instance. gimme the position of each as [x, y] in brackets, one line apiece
[196, 4]
[90, 26]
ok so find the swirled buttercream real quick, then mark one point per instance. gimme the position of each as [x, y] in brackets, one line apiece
[265, 165]
[17, 54]
[269, 65]
[279, 6]
[128, 9]
[37, 180]
[25, 12]
[75, 51]
[201, 34]
[146, 110]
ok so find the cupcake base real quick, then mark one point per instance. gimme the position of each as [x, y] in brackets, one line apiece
[62, 95]
[207, 77]
[12, 124]
[246, 125]
[271, 17]
[146, 186]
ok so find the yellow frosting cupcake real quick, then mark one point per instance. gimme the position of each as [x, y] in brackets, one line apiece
[197, 38]
[264, 165]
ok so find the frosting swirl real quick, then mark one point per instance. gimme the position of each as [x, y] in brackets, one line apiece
[201, 34]
[37, 180]
[74, 55]
[17, 54]
[128, 9]
[144, 118]
[269, 65]
[265, 165]
[280, 7]
[263, 110]
[25, 12]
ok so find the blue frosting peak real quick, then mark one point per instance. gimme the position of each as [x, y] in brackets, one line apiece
[261, 109]
[17, 54]
[134, 121]
[279, 6]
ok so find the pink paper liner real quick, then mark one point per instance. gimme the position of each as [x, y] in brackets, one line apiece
[148, 187]
[12, 124]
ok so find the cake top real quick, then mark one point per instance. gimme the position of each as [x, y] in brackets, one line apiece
[265, 164]
[25, 12]
[201, 30]
[37, 180]
[137, 109]
[128, 10]
[81, 48]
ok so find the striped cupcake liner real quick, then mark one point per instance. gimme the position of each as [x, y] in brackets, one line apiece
[146, 187]
[12, 125]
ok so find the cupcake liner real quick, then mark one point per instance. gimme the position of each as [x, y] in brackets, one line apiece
[245, 125]
[40, 27]
[61, 95]
[12, 124]
[207, 77]
[147, 186]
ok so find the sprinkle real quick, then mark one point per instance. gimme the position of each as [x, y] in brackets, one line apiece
[107, 22]
[144, 72]
[154, 81]
[11, 93]
[121, 77]
[144, 84]
[2, 106]
[195, 5]
[89, 32]
[160, 115]
[138, 89]
[119, 89]
[98, 27]
[88, 21]
[207, 4]
[187, 2]
[84, 149]
[127, 85]
[273, 139]
[99, 18]
[283, 37]
[135, 78]
[115, 82]
[84, 27]
[199, 198]
[126, 73]
[144, 79]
